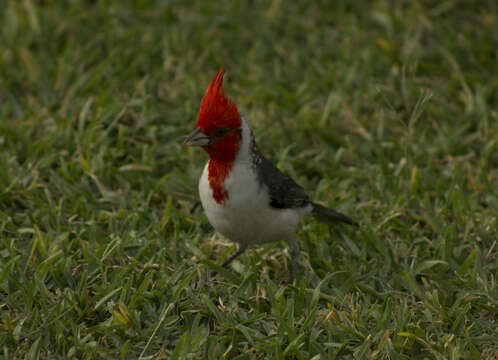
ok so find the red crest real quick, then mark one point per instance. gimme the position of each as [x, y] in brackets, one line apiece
[216, 108]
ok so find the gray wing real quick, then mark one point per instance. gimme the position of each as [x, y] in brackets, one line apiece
[284, 192]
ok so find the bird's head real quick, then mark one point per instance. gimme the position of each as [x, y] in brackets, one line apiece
[218, 127]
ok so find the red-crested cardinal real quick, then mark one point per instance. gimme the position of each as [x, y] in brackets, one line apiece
[245, 197]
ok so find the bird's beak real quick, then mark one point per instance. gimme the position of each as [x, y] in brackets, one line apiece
[197, 138]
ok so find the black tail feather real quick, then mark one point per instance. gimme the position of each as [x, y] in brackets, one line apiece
[325, 214]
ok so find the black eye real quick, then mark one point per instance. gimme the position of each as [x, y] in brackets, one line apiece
[220, 131]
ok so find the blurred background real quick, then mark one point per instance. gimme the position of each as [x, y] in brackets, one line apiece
[384, 110]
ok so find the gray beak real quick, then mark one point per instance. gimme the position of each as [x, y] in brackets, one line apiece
[197, 138]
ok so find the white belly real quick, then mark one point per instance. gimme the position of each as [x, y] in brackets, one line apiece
[246, 217]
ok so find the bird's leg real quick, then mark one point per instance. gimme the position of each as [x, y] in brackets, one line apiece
[294, 253]
[232, 257]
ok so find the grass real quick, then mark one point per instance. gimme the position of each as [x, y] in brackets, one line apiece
[384, 110]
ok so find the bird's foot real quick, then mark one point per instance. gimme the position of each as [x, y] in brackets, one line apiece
[290, 280]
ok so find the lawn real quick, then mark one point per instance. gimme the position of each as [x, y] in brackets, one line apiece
[384, 110]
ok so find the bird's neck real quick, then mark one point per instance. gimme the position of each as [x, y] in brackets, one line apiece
[221, 162]
[218, 171]
[222, 156]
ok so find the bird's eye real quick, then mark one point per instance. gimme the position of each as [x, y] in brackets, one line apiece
[220, 131]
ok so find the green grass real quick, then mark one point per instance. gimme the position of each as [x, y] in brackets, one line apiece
[384, 110]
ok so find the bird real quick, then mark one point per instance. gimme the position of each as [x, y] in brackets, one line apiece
[244, 196]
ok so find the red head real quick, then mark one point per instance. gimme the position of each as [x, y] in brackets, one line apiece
[218, 121]
[218, 131]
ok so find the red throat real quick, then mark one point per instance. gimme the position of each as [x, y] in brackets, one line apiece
[222, 156]
[218, 111]
[217, 173]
